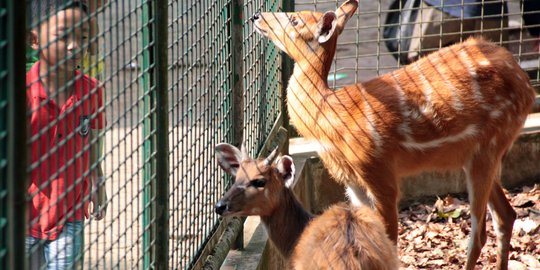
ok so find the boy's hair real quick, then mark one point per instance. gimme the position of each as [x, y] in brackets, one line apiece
[40, 10]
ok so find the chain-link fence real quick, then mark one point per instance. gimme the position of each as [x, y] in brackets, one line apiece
[136, 116]
[174, 78]
[383, 32]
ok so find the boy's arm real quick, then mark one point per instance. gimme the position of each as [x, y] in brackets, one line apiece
[99, 193]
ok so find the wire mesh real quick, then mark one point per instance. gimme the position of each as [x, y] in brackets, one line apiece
[362, 53]
[199, 116]
[262, 80]
[114, 57]
[201, 112]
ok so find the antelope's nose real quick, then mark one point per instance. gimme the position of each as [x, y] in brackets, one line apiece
[256, 16]
[220, 207]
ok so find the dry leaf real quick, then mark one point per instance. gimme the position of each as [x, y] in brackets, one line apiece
[527, 225]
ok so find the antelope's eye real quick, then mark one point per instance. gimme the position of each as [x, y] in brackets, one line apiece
[258, 183]
[294, 21]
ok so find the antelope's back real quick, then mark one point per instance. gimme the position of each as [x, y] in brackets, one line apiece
[473, 89]
[345, 237]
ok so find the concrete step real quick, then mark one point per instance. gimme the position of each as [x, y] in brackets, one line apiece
[532, 124]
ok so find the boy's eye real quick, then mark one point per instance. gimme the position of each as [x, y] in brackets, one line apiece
[258, 183]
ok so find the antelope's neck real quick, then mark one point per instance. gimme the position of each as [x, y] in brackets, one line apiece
[306, 92]
[287, 223]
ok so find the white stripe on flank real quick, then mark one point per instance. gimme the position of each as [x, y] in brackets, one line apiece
[371, 127]
[427, 90]
[471, 130]
[474, 76]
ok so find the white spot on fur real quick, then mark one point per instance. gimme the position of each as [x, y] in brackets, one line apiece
[470, 131]
[484, 62]
[493, 141]
[509, 65]
[495, 114]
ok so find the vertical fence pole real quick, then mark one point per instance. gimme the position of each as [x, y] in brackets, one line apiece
[237, 18]
[162, 129]
[287, 66]
[147, 85]
[156, 127]
[16, 134]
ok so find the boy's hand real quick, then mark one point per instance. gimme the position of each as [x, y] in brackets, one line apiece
[99, 199]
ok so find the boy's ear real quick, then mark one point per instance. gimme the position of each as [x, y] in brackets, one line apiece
[285, 166]
[33, 39]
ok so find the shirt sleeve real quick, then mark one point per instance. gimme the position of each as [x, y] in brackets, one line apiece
[98, 110]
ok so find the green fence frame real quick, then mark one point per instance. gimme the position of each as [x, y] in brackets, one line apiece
[12, 134]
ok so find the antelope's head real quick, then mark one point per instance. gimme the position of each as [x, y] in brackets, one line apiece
[258, 183]
[305, 33]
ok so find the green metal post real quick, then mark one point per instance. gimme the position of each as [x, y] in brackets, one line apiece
[156, 172]
[287, 65]
[148, 135]
[161, 224]
[16, 134]
[238, 85]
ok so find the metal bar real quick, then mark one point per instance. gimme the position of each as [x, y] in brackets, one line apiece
[149, 142]
[287, 66]
[161, 246]
[237, 84]
[17, 140]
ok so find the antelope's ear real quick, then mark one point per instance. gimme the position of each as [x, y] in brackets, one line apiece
[228, 158]
[285, 166]
[326, 26]
[344, 13]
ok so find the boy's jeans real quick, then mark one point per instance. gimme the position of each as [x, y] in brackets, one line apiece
[63, 253]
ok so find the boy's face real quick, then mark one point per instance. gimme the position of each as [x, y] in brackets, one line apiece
[62, 39]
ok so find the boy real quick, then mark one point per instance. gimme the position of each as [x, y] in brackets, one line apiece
[65, 109]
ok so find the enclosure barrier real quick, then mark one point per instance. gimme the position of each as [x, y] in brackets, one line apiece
[179, 77]
[12, 135]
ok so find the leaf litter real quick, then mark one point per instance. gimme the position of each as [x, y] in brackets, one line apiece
[435, 235]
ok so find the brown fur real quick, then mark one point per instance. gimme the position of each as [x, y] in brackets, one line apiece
[342, 237]
[460, 107]
[345, 237]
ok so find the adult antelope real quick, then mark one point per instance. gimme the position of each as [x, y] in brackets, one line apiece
[460, 107]
[343, 237]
